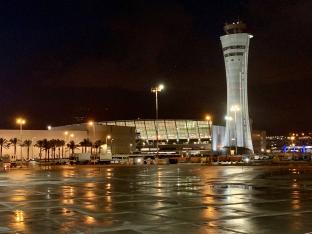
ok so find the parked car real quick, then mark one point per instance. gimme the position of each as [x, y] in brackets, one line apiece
[4, 165]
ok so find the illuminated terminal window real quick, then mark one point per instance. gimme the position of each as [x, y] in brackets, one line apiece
[167, 129]
[204, 129]
[150, 129]
[130, 124]
[171, 129]
[140, 128]
[192, 129]
[162, 133]
[182, 129]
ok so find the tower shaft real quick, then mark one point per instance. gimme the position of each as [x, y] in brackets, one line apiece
[235, 45]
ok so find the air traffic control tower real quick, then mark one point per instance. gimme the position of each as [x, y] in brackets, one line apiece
[235, 45]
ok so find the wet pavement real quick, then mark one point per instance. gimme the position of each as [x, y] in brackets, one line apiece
[156, 199]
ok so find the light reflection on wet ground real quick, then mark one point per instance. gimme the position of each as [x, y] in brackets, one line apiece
[164, 199]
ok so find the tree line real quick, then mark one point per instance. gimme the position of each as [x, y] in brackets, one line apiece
[53, 148]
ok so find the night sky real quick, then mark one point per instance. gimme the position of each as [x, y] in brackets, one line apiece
[64, 62]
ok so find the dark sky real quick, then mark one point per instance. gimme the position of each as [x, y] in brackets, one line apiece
[62, 60]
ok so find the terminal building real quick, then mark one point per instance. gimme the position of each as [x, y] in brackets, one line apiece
[183, 136]
[176, 137]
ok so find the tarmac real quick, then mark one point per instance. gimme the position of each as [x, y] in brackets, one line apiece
[156, 199]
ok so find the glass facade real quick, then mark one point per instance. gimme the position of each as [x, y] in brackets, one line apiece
[150, 129]
[182, 130]
[140, 128]
[171, 129]
[167, 129]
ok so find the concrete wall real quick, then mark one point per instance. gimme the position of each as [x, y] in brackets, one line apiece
[122, 139]
[34, 136]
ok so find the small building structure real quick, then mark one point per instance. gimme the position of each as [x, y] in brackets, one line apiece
[120, 140]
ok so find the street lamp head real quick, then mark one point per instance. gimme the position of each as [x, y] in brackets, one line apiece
[161, 87]
[208, 117]
[108, 137]
[49, 127]
[235, 108]
[90, 123]
[158, 88]
[228, 118]
[20, 121]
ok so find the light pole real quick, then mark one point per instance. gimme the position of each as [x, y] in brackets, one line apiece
[156, 90]
[21, 122]
[292, 138]
[112, 142]
[228, 118]
[130, 147]
[107, 138]
[92, 124]
[209, 122]
[235, 109]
